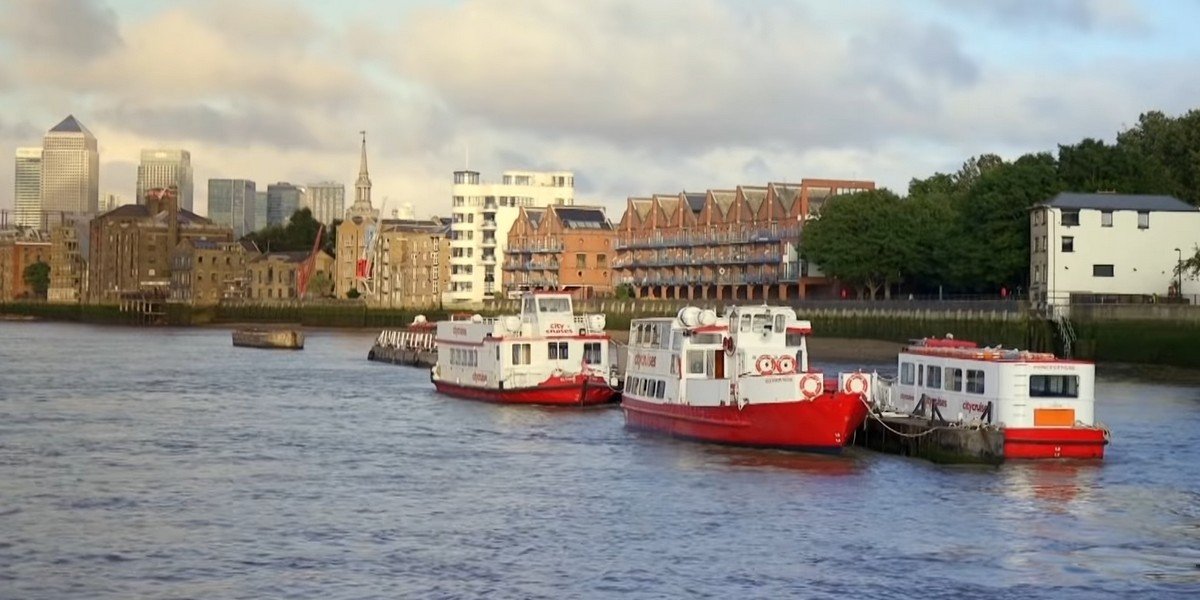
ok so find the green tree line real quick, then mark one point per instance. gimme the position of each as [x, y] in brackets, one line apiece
[296, 235]
[968, 232]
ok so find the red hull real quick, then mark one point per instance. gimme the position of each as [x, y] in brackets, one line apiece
[1048, 442]
[823, 424]
[593, 392]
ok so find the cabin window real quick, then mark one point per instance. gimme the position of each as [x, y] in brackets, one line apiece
[920, 374]
[780, 323]
[793, 340]
[974, 381]
[695, 362]
[761, 323]
[521, 354]
[954, 380]
[933, 377]
[745, 323]
[1054, 386]
[592, 354]
[528, 306]
[908, 374]
[554, 305]
[677, 339]
[557, 350]
[661, 389]
[706, 338]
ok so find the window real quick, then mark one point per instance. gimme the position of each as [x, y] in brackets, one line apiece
[695, 362]
[592, 354]
[908, 374]
[1054, 386]
[557, 350]
[661, 389]
[974, 381]
[581, 261]
[1102, 270]
[933, 377]
[520, 354]
[920, 375]
[1106, 218]
[1070, 218]
[1143, 219]
[1068, 244]
[954, 380]
[601, 261]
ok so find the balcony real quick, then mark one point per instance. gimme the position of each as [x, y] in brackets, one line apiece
[489, 225]
[691, 239]
[489, 260]
[488, 242]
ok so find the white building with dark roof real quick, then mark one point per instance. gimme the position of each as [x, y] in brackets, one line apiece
[1110, 247]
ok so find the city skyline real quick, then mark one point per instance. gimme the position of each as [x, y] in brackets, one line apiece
[635, 98]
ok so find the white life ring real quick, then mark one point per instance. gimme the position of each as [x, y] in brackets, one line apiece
[857, 384]
[811, 386]
[785, 364]
[721, 271]
[765, 365]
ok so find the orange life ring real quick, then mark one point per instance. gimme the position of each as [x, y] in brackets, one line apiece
[765, 365]
[810, 386]
[857, 384]
[785, 364]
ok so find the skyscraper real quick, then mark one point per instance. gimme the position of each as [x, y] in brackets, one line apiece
[260, 209]
[27, 187]
[70, 170]
[110, 201]
[326, 200]
[231, 202]
[283, 199]
[163, 168]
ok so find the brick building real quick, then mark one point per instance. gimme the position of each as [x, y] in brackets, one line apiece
[19, 249]
[412, 263]
[275, 275]
[203, 272]
[738, 244]
[68, 261]
[568, 248]
[130, 246]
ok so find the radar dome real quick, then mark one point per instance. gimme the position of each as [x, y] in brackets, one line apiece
[476, 318]
[512, 323]
[596, 322]
[689, 316]
[708, 316]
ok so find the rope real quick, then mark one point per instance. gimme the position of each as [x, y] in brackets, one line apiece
[871, 413]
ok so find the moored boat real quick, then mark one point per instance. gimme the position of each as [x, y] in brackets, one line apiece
[413, 345]
[286, 339]
[545, 355]
[1043, 405]
[742, 379]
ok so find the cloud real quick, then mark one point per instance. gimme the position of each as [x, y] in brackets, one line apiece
[237, 125]
[1086, 16]
[77, 29]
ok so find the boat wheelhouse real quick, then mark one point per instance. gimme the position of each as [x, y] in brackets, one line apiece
[545, 355]
[1042, 403]
[742, 379]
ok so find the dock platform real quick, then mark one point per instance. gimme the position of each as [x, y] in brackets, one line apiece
[940, 442]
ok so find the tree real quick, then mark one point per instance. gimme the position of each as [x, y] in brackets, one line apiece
[321, 285]
[1091, 166]
[1190, 266]
[298, 234]
[862, 239]
[37, 277]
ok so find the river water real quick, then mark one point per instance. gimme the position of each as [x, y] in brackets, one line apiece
[164, 463]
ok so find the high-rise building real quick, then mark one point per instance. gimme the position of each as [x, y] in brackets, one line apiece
[70, 171]
[326, 200]
[283, 199]
[163, 168]
[111, 200]
[231, 203]
[482, 214]
[260, 209]
[27, 188]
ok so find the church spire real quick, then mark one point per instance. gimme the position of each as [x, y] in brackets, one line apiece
[362, 188]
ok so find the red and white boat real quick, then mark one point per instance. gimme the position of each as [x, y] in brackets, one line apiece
[1042, 403]
[545, 355]
[740, 379]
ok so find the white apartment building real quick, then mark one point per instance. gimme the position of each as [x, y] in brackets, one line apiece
[481, 215]
[163, 168]
[1110, 245]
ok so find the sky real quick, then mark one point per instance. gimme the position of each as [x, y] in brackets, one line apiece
[635, 96]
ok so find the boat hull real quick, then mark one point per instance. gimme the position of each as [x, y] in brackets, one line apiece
[823, 424]
[1049, 442]
[591, 392]
[284, 339]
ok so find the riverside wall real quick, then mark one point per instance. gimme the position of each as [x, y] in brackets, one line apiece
[1141, 334]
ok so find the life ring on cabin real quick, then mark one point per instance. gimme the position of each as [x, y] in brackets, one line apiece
[810, 386]
[728, 344]
[857, 384]
[785, 364]
[765, 365]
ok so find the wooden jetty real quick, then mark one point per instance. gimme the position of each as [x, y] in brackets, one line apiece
[285, 339]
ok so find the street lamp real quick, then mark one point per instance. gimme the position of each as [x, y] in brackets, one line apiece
[1179, 272]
